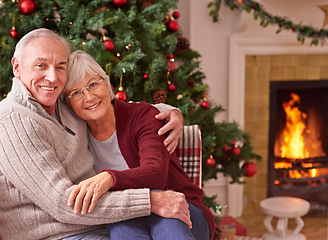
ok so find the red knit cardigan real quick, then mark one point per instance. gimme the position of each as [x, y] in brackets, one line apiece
[150, 164]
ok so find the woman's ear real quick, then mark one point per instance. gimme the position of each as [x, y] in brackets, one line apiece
[15, 65]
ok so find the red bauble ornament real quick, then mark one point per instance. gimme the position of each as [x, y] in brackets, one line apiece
[147, 3]
[171, 66]
[225, 148]
[109, 45]
[119, 3]
[166, 19]
[171, 87]
[176, 14]
[249, 168]
[13, 33]
[26, 7]
[205, 104]
[120, 95]
[173, 26]
[145, 76]
[235, 151]
[210, 161]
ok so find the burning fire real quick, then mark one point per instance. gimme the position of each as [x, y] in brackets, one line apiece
[298, 141]
[293, 140]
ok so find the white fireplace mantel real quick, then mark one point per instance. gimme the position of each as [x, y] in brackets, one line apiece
[240, 47]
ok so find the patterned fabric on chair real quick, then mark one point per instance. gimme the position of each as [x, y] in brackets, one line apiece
[189, 152]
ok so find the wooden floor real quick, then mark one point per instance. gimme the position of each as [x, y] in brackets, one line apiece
[309, 233]
[315, 227]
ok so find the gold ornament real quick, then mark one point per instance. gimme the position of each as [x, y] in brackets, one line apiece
[324, 8]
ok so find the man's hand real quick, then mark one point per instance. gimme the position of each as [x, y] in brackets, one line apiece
[89, 191]
[170, 204]
[174, 124]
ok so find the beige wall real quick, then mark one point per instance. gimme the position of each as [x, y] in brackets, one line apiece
[212, 40]
[215, 42]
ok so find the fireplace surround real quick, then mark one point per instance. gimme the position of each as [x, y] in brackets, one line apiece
[241, 98]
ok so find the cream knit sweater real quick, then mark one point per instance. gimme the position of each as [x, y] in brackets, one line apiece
[40, 161]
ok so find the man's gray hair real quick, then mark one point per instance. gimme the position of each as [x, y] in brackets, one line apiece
[79, 65]
[41, 32]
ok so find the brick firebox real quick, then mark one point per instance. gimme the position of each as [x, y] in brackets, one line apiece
[259, 72]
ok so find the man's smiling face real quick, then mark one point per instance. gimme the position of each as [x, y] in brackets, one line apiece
[42, 68]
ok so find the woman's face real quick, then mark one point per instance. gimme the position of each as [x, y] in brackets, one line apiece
[95, 103]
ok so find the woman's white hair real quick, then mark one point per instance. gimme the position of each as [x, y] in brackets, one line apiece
[79, 65]
[37, 33]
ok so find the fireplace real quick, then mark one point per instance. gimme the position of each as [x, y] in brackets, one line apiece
[298, 140]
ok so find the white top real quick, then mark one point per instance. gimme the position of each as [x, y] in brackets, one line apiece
[288, 207]
[107, 154]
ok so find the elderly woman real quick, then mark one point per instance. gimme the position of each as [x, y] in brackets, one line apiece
[129, 153]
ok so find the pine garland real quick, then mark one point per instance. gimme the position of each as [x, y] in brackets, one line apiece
[303, 31]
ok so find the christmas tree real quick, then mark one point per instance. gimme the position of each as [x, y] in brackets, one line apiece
[140, 45]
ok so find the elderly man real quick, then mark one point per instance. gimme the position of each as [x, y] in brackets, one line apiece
[43, 152]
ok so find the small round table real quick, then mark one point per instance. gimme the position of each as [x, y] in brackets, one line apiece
[284, 208]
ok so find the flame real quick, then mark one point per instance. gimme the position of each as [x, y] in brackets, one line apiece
[293, 140]
[310, 172]
[298, 141]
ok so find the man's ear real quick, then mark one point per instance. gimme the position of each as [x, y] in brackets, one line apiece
[15, 64]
